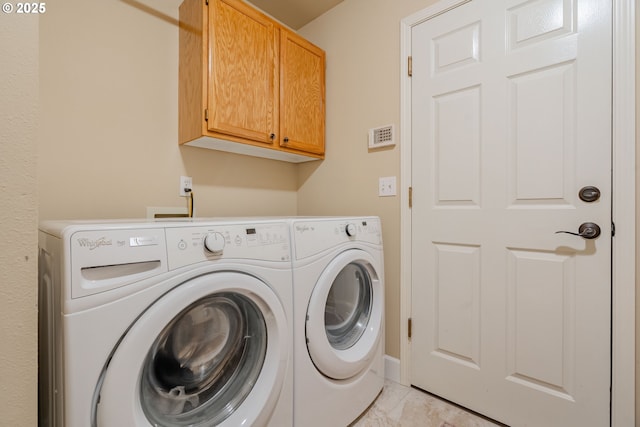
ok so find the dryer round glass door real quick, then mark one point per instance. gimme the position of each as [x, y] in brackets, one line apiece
[212, 351]
[348, 306]
[344, 316]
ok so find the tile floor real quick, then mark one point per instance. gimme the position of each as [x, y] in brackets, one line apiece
[400, 406]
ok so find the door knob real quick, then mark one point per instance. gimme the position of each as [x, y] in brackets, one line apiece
[587, 230]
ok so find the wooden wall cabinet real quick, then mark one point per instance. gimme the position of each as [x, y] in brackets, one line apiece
[247, 84]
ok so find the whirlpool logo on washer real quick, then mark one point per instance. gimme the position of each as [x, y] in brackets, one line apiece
[92, 244]
[302, 228]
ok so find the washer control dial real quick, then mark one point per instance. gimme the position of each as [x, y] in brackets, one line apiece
[214, 243]
[350, 229]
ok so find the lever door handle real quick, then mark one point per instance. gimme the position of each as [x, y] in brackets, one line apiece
[587, 230]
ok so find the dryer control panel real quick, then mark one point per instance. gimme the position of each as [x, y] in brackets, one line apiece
[315, 235]
[264, 241]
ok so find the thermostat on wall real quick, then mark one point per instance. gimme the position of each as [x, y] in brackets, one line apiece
[381, 137]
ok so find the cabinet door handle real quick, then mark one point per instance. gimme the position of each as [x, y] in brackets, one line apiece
[286, 139]
[272, 136]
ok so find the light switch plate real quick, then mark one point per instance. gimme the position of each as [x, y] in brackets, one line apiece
[387, 186]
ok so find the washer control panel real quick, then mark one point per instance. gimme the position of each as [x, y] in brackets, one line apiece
[264, 241]
[101, 256]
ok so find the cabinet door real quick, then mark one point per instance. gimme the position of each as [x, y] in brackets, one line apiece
[243, 83]
[302, 94]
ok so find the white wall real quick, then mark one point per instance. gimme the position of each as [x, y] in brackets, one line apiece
[18, 218]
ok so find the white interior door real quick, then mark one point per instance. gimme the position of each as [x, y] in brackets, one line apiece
[511, 118]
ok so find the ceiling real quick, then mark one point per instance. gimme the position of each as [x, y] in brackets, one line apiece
[295, 13]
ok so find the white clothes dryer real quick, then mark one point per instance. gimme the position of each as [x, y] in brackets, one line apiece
[338, 287]
[165, 323]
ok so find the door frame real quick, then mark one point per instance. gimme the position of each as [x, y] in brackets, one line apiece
[623, 396]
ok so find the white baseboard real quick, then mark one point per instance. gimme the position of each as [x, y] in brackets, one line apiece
[392, 368]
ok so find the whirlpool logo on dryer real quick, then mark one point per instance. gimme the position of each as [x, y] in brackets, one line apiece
[92, 244]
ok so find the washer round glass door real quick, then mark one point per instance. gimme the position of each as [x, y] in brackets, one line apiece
[344, 316]
[210, 352]
[201, 368]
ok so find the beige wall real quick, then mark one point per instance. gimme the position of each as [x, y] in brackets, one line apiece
[108, 135]
[637, 212]
[18, 218]
[362, 40]
[107, 143]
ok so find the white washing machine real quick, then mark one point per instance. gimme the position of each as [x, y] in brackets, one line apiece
[338, 288]
[165, 324]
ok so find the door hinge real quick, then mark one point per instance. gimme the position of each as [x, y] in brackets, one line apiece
[410, 66]
[206, 2]
[206, 114]
[410, 197]
[409, 327]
